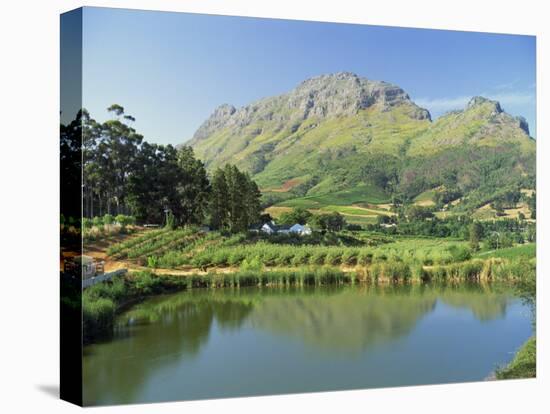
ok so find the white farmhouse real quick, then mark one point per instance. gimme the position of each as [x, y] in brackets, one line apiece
[300, 229]
[272, 228]
[269, 228]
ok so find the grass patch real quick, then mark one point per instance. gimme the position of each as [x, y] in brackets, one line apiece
[522, 250]
[524, 364]
[359, 194]
[426, 198]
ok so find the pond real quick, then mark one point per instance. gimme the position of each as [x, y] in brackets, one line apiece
[255, 341]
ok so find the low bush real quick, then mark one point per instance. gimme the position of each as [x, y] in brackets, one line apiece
[97, 317]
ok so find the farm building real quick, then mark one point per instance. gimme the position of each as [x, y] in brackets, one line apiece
[272, 228]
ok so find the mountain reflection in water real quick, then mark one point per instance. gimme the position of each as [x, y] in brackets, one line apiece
[161, 334]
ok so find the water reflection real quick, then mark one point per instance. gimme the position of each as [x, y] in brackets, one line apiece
[154, 334]
[163, 333]
[348, 321]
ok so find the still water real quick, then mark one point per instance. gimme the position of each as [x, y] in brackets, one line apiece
[238, 342]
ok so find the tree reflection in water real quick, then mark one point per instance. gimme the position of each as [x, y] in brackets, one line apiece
[162, 332]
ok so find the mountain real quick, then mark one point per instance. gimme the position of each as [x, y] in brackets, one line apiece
[340, 131]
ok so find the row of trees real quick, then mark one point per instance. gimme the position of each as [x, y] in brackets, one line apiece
[124, 174]
[235, 200]
[496, 233]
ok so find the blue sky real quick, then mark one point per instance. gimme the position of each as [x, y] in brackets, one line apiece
[171, 70]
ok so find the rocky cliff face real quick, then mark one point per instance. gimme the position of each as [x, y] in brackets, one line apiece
[321, 97]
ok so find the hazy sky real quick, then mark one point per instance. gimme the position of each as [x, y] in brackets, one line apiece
[171, 70]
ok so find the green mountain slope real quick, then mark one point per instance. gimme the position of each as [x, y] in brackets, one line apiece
[340, 132]
[482, 123]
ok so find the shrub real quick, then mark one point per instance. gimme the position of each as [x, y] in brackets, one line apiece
[350, 257]
[145, 283]
[285, 257]
[86, 223]
[381, 257]
[236, 257]
[251, 265]
[171, 259]
[114, 290]
[439, 273]
[97, 316]
[97, 221]
[108, 219]
[333, 257]
[318, 258]
[396, 270]
[152, 261]
[471, 270]
[420, 274]
[364, 258]
[300, 258]
[375, 271]
[170, 221]
[122, 220]
[459, 253]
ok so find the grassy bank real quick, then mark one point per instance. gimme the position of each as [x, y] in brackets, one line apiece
[101, 302]
[524, 364]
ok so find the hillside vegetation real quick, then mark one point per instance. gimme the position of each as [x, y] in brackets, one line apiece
[367, 141]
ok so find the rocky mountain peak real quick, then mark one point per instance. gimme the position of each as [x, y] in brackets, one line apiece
[218, 119]
[477, 101]
[522, 123]
[325, 96]
[344, 93]
[483, 108]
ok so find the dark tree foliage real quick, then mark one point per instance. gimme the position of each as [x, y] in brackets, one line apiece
[484, 174]
[192, 189]
[446, 196]
[219, 201]
[332, 222]
[152, 186]
[297, 215]
[475, 234]
[123, 174]
[70, 165]
[415, 213]
[234, 201]
[381, 170]
[462, 227]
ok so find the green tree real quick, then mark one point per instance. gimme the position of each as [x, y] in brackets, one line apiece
[192, 188]
[153, 183]
[475, 235]
[297, 215]
[253, 201]
[219, 206]
[318, 221]
[234, 200]
[498, 206]
[415, 213]
[335, 222]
